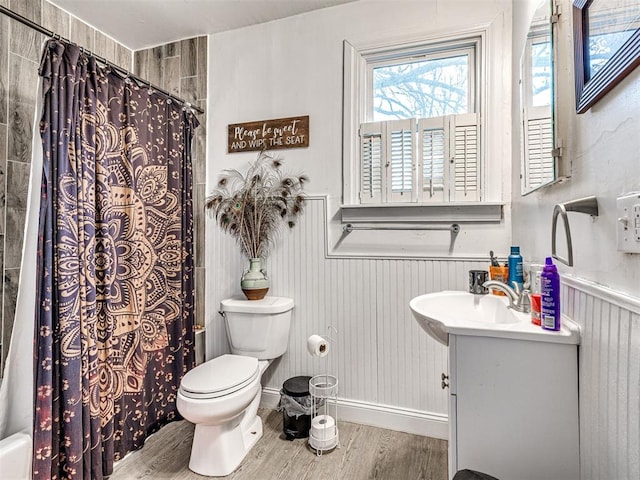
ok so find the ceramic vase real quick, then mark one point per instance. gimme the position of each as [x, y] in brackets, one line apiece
[254, 282]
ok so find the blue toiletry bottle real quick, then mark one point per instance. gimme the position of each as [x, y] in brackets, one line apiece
[515, 267]
[550, 304]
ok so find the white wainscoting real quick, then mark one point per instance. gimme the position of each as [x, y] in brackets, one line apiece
[388, 368]
[609, 364]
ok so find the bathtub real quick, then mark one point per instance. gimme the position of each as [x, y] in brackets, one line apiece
[15, 457]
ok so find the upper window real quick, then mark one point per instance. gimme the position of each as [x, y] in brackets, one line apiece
[417, 115]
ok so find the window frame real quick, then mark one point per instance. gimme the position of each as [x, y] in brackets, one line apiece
[435, 51]
[359, 62]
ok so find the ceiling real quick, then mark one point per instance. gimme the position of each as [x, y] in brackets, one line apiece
[141, 24]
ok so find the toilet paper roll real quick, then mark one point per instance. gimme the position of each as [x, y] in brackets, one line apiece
[323, 427]
[317, 346]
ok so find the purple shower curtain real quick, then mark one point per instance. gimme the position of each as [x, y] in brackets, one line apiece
[114, 327]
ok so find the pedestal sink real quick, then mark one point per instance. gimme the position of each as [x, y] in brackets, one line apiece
[455, 312]
[513, 387]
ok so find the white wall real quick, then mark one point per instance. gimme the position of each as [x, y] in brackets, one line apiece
[602, 147]
[293, 67]
[602, 290]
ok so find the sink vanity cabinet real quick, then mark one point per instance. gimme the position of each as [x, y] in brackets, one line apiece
[513, 407]
[513, 404]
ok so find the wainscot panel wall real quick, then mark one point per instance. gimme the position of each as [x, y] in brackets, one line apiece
[602, 289]
[384, 362]
[294, 67]
[609, 379]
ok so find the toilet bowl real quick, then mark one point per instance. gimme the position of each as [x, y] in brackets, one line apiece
[221, 396]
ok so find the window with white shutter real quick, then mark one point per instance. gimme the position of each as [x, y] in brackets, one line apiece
[417, 110]
[400, 160]
[466, 158]
[433, 149]
[537, 122]
[371, 167]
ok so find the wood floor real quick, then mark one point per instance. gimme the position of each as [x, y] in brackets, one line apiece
[365, 453]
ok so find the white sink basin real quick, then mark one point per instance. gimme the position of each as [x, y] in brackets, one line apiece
[462, 313]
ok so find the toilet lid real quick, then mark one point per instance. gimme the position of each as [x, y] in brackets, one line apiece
[220, 376]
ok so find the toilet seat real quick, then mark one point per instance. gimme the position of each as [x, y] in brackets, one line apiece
[219, 377]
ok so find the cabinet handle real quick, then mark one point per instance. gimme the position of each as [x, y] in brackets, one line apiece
[444, 379]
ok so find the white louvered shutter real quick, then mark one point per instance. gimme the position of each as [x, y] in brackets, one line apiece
[372, 171]
[465, 158]
[433, 149]
[400, 158]
[538, 143]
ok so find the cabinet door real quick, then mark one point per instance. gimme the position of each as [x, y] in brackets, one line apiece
[516, 408]
[453, 408]
[453, 436]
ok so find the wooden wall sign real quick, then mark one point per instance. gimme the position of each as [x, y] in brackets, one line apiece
[291, 132]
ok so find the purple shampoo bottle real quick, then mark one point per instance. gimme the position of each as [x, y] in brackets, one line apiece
[550, 305]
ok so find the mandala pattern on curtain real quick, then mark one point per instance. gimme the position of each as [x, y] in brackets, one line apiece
[114, 330]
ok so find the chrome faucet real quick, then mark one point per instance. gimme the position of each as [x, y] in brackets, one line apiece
[519, 298]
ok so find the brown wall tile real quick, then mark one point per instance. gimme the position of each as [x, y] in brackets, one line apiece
[14, 235]
[55, 19]
[27, 8]
[11, 278]
[198, 153]
[24, 41]
[171, 75]
[81, 33]
[198, 223]
[154, 72]
[2, 343]
[4, 67]
[22, 92]
[189, 89]
[105, 47]
[141, 63]
[171, 50]
[16, 212]
[123, 57]
[189, 57]
[199, 294]
[3, 185]
[202, 67]
[17, 184]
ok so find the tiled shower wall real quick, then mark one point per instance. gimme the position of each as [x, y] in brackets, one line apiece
[20, 49]
[181, 68]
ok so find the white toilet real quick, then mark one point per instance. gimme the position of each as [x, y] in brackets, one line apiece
[221, 396]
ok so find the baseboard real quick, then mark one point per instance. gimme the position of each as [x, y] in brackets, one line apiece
[382, 416]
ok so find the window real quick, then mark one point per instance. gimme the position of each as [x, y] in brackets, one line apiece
[416, 112]
[537, 121]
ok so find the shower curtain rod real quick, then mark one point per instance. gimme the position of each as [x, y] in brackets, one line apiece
[127, 73]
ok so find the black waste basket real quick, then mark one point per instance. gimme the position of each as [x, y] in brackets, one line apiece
[295, 403]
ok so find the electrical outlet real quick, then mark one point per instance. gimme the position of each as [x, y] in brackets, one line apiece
[628, 225]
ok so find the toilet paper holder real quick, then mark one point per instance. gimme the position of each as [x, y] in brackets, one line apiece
[323, 388]
[588, 205]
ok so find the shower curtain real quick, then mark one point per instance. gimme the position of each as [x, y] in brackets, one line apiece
[114, 321]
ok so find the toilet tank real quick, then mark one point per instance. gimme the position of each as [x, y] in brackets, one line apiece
[258, 328]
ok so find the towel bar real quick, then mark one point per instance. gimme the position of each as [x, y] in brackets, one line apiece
[588, 205]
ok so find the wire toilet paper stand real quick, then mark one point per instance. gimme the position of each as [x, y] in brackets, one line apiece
[323, 388]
